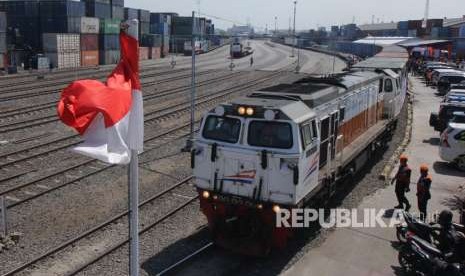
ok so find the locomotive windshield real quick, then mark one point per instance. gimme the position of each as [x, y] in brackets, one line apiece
[270, 134]
[224, 129]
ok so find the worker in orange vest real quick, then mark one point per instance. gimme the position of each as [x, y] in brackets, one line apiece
[423, 190]
[402, 180]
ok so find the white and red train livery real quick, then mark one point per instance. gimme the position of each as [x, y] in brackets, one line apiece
[291, 145]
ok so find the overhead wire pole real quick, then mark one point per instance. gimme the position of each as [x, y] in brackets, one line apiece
[190, 141]
[293, 31]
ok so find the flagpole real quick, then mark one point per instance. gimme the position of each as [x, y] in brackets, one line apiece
[133, 190]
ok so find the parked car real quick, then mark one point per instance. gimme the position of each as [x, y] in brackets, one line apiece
[452, 143]
[444, 82]
[438, 73]
[455, 95]
[441, 119]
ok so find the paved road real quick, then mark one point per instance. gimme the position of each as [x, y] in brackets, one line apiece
[371, 251]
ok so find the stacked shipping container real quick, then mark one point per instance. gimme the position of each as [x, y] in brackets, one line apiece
[90, 28]
[160, 23]
[63, 50]
[109, 41]
[117, 9]
[98, 8]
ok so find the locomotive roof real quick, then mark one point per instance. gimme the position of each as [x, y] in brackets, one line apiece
[317, 91]
[390, 57]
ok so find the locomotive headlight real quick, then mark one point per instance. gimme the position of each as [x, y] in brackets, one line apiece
[206, 194]
[259, 206]
[276, 208]
[249, 111]
[241, 110]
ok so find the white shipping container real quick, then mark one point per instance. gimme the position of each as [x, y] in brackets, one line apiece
[43, 63]
[65, 60]
[90, 25]
[53, 42]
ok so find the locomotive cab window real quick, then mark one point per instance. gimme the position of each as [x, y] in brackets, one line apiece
[270, 134]
[380, 86]
[388, 85]
[224, 129]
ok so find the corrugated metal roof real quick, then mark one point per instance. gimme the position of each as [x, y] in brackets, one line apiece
[381, 62]
[449, 22]
[378, 26]
[422, 43]
[382, 40]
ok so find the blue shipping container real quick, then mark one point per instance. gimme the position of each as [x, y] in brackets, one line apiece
[62, 8]
[99, 10]
[462, 30]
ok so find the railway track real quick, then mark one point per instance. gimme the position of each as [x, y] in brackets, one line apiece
[18, 194]
[15, 86]
[45, 184]
[172, 268]
[72, 140]
[50, 118]
[28, 91]
[73, 242]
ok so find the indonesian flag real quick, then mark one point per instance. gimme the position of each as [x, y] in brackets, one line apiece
[109, 116]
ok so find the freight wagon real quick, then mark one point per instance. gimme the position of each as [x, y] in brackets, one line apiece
[289, 146]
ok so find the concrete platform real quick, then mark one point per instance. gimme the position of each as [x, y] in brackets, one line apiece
[372, 251]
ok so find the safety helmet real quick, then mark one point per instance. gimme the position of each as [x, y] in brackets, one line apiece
[424, 168]
[403, 157]
[445, 218]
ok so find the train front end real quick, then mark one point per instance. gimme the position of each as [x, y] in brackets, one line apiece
[247, 163]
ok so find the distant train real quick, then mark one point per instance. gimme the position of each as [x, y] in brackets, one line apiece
[292, 145]
[238, 49]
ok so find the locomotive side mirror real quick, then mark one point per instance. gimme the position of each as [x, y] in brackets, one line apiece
[295, 176]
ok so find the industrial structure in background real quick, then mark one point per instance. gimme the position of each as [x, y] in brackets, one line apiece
[445, 34]
[39, 34]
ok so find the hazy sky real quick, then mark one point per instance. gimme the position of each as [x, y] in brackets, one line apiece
[310, 13]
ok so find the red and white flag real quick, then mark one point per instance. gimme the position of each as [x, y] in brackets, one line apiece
[109, 116]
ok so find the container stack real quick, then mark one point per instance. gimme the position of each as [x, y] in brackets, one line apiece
[402, 26]
[90, 27]
[109, 41]
[153, 43]
[3, 48]
[160, 24]
[144, 22]
[98, 8]
[117, 9]
[63, 50]
[130, 13]
[23, 18]
[181, 32]
[144, 34]
[61, 16]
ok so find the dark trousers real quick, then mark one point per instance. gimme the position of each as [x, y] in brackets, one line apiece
[422, 205]
[400, 193]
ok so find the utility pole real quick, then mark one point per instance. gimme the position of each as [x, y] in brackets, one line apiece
[190, 141]
[293, 32]
[275, 25]
[425, 21]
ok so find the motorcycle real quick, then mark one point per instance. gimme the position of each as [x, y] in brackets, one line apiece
[418, 257]
[426, 231]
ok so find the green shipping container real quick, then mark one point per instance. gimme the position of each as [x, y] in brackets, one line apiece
[109, 26]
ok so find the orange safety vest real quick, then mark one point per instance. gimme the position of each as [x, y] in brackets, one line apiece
[423, 186]
[403, 175]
